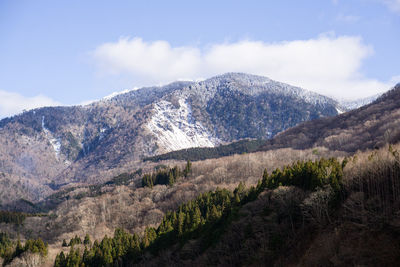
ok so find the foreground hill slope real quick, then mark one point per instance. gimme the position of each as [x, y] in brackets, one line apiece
[310, 213]
[123, 202]
[45, 148]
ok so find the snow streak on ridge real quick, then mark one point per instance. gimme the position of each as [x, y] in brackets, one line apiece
[55, 142]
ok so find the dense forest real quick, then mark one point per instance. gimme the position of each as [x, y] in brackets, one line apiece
[204, 218]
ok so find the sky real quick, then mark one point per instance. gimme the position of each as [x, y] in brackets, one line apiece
[73, 52]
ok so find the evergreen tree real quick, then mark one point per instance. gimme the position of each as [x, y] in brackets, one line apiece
[87, 240]
[196, 218]
[60, 260]
[188, 169]
[181, 223]
[19, 248]
[214, 213]
[171, 179]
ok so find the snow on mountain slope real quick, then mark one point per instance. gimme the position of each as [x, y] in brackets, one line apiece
[354, 104]
[254, 84]
[175, 128]
[114, 94]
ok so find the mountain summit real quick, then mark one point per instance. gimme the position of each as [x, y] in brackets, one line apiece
[56, 145]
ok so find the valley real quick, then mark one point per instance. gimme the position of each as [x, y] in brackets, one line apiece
[291, 169]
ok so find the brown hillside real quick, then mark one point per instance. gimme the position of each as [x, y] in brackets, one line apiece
[368, 127]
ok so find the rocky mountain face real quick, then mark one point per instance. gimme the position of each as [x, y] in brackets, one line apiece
[45, 148]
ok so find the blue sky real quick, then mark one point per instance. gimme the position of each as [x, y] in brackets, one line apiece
[70, 52]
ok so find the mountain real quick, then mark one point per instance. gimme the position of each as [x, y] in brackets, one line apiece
[349, 202]
[368, 127]
[45, 148]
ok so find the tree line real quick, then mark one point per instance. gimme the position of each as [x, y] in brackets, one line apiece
[202, 153]
[166, 176]
[12, 217]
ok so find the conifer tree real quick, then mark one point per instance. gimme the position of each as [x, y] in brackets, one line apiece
[171, 179]
[188, 169]
[196, 218]
[19, 249]
[87, 240]
[181, 222]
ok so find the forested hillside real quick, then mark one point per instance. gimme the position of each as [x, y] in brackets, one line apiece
[281, 220]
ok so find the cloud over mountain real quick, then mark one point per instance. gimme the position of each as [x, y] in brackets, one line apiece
[13, 103]
[328, 64]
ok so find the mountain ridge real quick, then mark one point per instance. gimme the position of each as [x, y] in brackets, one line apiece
[356, 129]
[92, 143]
[309, 132]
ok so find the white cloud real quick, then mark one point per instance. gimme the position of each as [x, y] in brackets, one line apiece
[149, 60]
[327, 64]
[14, 103]
[394, 5]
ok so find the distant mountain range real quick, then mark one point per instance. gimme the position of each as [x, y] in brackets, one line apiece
[47, 147]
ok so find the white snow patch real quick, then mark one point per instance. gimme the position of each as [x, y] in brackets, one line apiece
[176, 129]
[43, 127]
[55, 142]
[113, 94]
[354, 104]
[339, 111]
[102, 133]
